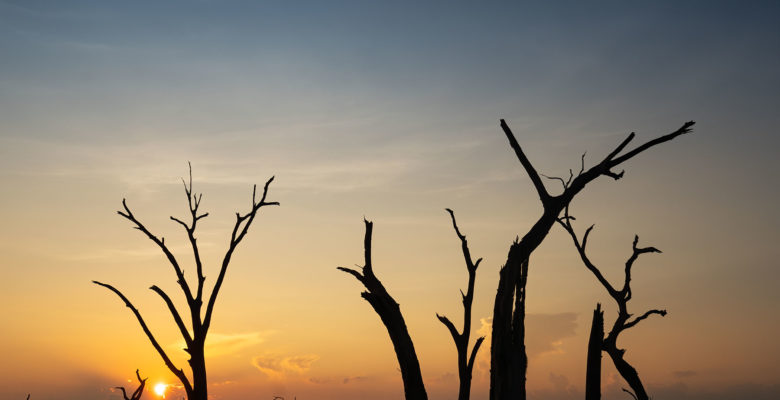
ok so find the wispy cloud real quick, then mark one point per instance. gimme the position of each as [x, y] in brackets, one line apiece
[277, 366]
[219, 344]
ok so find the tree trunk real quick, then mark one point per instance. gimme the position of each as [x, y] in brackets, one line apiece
[627, 372]
[595, 344]
[390, 313]
[199, 383]
[508, 359]
[464, 389]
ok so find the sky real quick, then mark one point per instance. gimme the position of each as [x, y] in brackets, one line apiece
[388, 111]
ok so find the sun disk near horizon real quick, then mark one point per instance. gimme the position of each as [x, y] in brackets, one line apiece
[159, 389]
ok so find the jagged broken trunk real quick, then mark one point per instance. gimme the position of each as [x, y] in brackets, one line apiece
[507, 351]
[390, 313]
[595, 343]
[508, 358]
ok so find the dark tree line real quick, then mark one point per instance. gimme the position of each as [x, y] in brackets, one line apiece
[508, 358]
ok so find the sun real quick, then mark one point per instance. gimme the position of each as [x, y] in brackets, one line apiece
[159, 389]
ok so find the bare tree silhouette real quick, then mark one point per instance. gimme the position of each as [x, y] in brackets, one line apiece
[508, 358]
[136, 395]
[621, 297]
[465, 362]
[200, 323]
[390, 313]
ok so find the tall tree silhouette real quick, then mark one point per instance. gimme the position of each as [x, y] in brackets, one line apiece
[136, 395]
[195, 337]
[507, 353]
[465, 362]
[390, 313]
[621, 297]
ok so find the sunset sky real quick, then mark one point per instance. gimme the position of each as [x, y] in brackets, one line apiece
[388, 111]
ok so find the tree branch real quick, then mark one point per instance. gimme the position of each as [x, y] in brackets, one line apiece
[390, 313]
[474, 351]
[139, 392]
[565, 222]
[686, 128]
[529, 168]
[643, 316]
[176, 371]
[234, 241]
[161, 244]
[450, 326]
[176, 316]
[630, 393]
[637, 251]
[610, 161]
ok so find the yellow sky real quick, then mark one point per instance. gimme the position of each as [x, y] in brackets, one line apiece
[288, 323]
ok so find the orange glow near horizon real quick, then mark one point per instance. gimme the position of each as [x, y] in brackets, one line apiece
[159, 389]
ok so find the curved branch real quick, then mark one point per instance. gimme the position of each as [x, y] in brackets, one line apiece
[176, 371]
[636, 252]
[566, 224]
[450, 326]
[175, 313]
[642, 317]
[139, 391]
[630, 393]
[390, 313]
[160, 242]
[474, 351]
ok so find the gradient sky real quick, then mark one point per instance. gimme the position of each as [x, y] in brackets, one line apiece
[387, 110]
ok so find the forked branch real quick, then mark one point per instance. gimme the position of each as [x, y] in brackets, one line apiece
[465, 362]
[160, 242]
[193, 202]
[138, 391]
[240, 229]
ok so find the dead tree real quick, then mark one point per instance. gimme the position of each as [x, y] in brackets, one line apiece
[621, 297]
[136, 395]
[595, 342]
[465, 362]
[195, 337]
[507, 353]
[390, 313]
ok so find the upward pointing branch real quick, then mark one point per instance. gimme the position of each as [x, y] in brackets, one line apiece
[465, 363]
[240, 229]
[529, 168]
[160, 242]
[390, 313]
